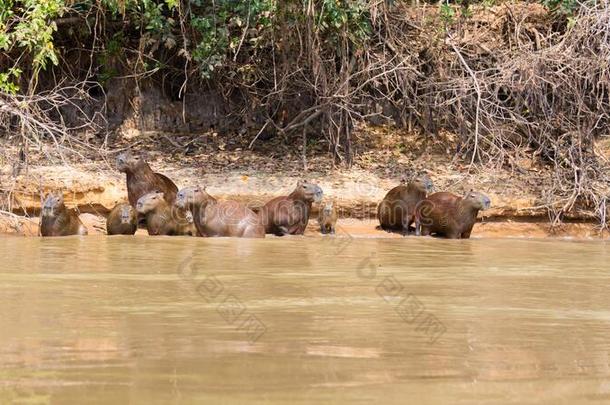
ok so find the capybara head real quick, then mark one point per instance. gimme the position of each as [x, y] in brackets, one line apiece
[127, 214]
[327, 210]
[309, 191]
[52, 205]
[191, 195]
[423, 182]
[477, 200]
[126, 162]
[149, 202]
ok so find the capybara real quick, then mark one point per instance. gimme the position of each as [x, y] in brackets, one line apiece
[327, 218]
[57, 220]
[122, 220]
[142, 180]
[449, 215]
[396, 212]
[161, 219]
[289, 215]
[219, 218]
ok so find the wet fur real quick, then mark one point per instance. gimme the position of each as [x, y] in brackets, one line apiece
[396, 212]
[288, 215]
[447, 215]
[142, 180]
[220, 218]
[115, 224]
[327, 221]
[63, 223]
[161, 221]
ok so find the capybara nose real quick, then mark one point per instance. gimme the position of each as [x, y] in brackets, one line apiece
[487, 202]
[318, 194]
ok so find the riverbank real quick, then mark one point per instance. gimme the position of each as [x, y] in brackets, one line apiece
[521, 206]
[353, 228]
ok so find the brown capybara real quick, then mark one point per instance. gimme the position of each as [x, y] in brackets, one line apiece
[57, 220]
[122, 220]
[327, 218]
[219, 218]
[396, 212]
[289, 215]
[449, 215]
[161, 219]
[142, 180]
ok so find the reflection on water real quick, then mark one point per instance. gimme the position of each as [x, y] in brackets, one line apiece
[299, 320]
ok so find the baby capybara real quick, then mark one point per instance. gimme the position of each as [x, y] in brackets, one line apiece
[142, 180]
[449, 215]
[219, 218]
[122, 220]
[161, 219]
[57, 220]
[327, 218]
[396, 212]
[289, 215]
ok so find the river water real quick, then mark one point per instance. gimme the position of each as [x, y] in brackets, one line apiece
[144, 320]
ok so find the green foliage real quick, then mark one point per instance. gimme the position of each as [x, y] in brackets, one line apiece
[214, 34]
[224, 27]
[345, 17]
[34, 31]
[7, 84]
[27, 26]
[447, 13]
[566, 7]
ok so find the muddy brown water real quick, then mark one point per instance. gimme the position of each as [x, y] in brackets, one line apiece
[146, 320]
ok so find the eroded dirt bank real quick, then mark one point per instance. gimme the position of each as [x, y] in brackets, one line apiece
[96, 187]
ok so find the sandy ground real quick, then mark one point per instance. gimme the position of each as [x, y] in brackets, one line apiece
[354, 228]
[230, 170]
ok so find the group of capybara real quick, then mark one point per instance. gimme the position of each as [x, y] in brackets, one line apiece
[155, 201]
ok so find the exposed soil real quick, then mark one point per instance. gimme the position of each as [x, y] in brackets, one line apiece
[231, 170]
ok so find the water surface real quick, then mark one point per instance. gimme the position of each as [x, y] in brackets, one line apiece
[301, 320]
